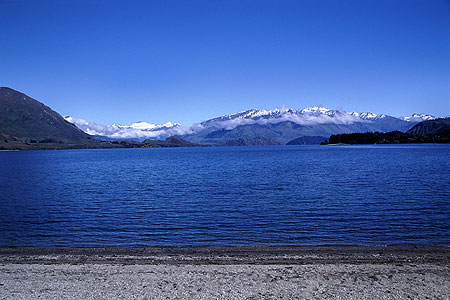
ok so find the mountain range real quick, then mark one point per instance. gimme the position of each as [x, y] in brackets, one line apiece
[260, 126]
[26, 123]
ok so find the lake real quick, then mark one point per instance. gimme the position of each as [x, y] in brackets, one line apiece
[226, 196]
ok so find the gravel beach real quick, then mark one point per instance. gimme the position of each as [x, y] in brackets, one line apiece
[338, 272]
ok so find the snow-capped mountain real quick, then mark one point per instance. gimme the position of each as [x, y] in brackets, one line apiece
[418, 118]
[312, 114]
[280, 125]
[254, 114]
[284, 124]
[257, 114]
[368, 115]
[138, 130]
[141, 125]
[317, 110]
[281, 114]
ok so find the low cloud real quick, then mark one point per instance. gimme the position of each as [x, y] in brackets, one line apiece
[129, 132]
[162, 131]
[295, 117]
[91, 127]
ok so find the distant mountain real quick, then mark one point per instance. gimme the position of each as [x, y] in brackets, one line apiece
[307, 115]
[285, 125]
[138, 131]
[432, 131]
[307, 140]
[24, 119]
[172, 141]
[418, 118]
[249, 141]
[430, 127]
[279, 126]
[27, 124]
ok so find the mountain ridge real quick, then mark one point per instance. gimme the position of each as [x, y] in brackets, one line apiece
[431, 127]
[25, 119]
[286, 125]
[27, 124]
[337, 121]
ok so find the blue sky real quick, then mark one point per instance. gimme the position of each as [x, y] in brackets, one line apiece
[188, 61]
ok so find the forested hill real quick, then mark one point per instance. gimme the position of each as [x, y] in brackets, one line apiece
[393, 137]
[430, 127]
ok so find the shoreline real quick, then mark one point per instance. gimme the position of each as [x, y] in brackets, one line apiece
[229, 255]
[303, 272]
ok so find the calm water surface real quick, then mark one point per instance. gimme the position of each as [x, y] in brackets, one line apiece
[242, 196]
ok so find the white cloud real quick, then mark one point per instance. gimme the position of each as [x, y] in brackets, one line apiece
[139, 130]
[143, 130]
[283, 115]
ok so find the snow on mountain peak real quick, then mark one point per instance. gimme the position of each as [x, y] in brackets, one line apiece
[142, 125]
[255, 114]
[148, 126]
[418, 118]
[368, 115]
[309, 116]
[136, 130]
[241, 115]
[316, 109]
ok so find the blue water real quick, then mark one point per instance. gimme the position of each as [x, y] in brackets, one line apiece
[230, 196]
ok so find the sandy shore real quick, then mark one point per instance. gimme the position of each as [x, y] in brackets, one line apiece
[232, 273]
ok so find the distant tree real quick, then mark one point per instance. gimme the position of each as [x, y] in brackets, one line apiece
[393, 137]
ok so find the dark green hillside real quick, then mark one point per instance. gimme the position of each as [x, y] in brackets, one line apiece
[23, 119]
[307, 140]
[431, 127]
[27, 124]
[393, 137]
[250, 141]
[171, 141]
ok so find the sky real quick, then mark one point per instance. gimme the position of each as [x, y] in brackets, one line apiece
[189, 61]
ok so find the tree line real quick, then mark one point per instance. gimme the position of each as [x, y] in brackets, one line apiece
[393, 137]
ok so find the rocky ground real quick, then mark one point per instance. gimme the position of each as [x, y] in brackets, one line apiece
[233, 273]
